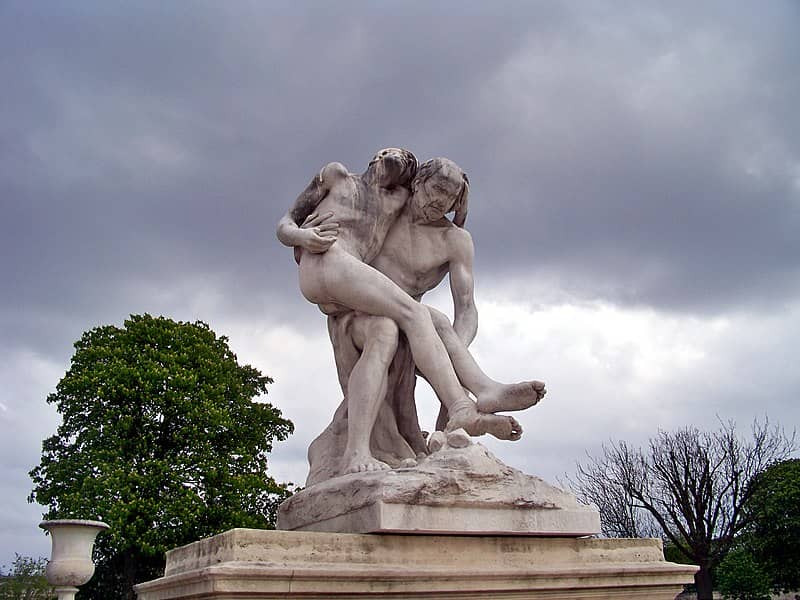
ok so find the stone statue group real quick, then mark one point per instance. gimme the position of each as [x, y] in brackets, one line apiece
[368, 247]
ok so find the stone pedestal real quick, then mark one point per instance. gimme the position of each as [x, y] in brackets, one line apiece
[460, 524]
[257, 564]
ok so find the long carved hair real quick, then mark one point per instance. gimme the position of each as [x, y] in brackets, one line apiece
[461, 205]
[433, 167]
[409, 164]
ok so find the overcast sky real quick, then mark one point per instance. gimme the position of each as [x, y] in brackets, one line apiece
[635, 200]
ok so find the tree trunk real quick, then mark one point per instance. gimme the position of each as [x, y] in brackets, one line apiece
[703, 583]
[129, 575]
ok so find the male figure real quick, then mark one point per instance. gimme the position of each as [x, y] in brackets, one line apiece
[422, 246]
[350, 216]
[444, 248]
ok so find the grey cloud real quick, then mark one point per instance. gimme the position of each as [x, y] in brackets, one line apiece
[157, 143]
[641, 154]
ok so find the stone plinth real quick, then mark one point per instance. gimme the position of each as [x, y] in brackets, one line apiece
[257, 564]
[460, 491]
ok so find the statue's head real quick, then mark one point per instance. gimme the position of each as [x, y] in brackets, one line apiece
[440, 187]
[392, 167]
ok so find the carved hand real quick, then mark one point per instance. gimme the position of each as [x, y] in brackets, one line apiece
[318, 232]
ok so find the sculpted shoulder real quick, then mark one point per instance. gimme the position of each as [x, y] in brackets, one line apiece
[459, 242]
[333, 172]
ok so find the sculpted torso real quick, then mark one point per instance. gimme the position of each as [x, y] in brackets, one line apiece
[417, 257]
[364, 212]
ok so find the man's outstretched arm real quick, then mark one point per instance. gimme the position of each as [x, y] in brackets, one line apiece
[301, 226]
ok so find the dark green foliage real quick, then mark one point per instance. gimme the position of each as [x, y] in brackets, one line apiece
[161, 439]
[25, 580]
[741, 577]
[773, 510]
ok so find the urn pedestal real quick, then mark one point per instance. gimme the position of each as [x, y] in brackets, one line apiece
[71, 563]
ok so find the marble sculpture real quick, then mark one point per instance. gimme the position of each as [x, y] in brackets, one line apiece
[368, 247]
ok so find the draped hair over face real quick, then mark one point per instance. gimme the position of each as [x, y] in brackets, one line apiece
[408, 160]
[434, 167]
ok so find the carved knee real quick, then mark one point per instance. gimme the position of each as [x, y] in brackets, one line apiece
[440, 320]
[414, 314]
[383, 336]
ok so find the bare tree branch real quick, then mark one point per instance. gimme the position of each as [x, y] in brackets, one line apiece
[688, 488]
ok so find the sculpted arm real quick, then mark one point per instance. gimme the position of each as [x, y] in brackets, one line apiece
[462, 286]
[301, 226]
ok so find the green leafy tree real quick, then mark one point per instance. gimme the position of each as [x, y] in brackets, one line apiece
[741, 577]
[164, 438]
[25, 580]
[693, 484]
[773, 535]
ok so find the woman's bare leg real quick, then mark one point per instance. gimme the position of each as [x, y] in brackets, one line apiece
[338, 277]
[492, 396]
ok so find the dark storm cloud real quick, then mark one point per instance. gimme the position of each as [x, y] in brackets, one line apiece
[146, 144]
[648, 161]
[157, 144]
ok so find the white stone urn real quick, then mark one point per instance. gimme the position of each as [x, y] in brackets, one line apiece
[71, 562]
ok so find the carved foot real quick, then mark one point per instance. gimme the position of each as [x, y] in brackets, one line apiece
[503, 427]
[513, 396]
[365, 463]
[477, 423]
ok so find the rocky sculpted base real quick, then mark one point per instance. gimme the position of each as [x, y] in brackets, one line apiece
[485, 531]
[460, 489]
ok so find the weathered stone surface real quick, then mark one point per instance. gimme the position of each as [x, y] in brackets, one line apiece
[350, 233]
[463, 490]
[436, 441]
[257, 564]
[458, 439]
